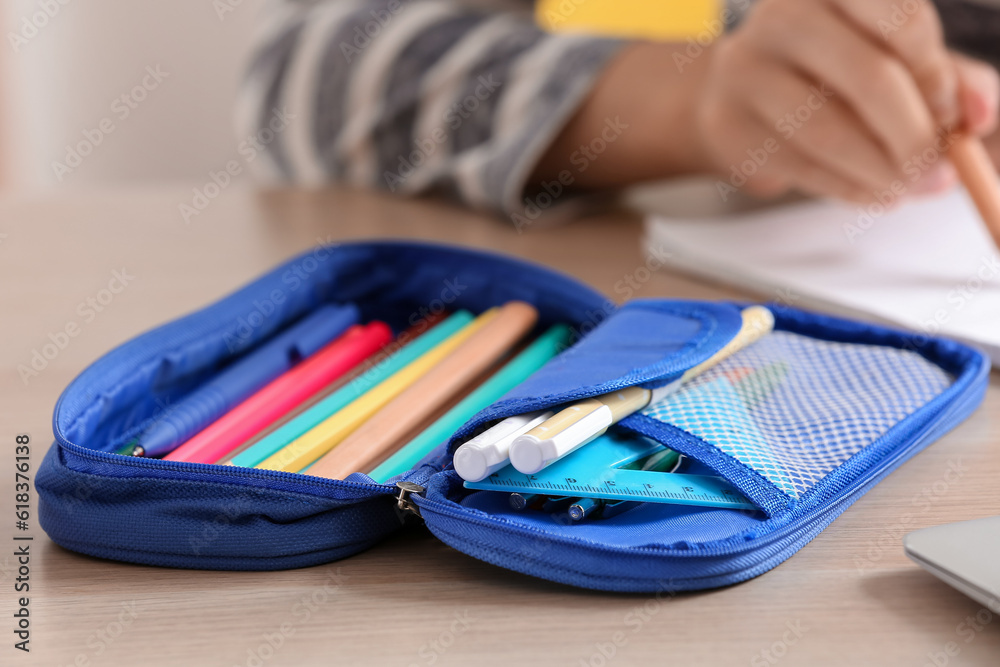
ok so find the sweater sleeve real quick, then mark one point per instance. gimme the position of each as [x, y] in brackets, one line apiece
[413, 96]
[972, 26]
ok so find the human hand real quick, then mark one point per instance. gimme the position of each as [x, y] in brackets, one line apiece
[840, 98]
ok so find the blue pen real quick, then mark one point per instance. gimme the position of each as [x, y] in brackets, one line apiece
[241, 379]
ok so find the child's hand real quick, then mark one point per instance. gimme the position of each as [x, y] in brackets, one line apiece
[841, 98]
[979, 86]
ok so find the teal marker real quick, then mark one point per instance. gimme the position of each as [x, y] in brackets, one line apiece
[269, 445]
[546, 346]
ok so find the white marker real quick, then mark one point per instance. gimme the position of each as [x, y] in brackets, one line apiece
[530, 454]
[575, 426]
[482, 456]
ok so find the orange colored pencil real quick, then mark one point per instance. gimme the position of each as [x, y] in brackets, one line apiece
[378, 437]
[979, 176]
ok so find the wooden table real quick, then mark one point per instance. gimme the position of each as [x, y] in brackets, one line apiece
[850, 596]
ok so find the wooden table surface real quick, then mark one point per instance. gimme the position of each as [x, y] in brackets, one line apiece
[849, 598]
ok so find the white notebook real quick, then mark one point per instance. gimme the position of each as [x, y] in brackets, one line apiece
[928, 265]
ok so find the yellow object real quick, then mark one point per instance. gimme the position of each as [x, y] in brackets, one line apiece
[327, 434]
[758, 321]
[646, 19]
[563, 419]
[625, 401]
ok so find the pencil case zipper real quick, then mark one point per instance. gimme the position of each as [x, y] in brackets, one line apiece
[561, 299]
[779, 543]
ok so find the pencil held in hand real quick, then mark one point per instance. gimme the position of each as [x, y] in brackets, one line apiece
[979, 176]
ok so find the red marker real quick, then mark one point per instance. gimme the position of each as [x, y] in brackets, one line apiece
[283, 394]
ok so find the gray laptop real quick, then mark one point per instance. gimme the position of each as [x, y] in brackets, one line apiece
[964, 555]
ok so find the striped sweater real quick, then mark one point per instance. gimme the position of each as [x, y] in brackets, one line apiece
[458, 97]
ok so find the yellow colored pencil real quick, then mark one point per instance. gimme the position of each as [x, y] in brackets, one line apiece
[378, 437]
[327, 434]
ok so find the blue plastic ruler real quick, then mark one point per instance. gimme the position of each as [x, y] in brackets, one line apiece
[594, 471]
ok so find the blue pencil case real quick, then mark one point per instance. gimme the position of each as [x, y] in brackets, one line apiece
[846, 403]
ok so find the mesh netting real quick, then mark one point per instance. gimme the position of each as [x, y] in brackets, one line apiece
[794, 408]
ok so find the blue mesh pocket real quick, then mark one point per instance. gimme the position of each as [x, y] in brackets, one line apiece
[794, 408]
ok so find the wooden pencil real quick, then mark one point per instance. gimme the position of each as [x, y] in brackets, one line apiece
[378, 437]
[979, 176]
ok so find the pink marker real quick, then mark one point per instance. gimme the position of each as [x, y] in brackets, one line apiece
[283, 394]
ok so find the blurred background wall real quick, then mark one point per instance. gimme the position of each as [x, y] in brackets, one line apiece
[147, 87]
[161, 75]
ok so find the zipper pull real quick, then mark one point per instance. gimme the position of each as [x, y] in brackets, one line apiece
[403, 492]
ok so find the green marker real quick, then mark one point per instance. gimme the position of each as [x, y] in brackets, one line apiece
[755, 388]
[131, 448]
[352, 390]
[536, 355]
[665, 461]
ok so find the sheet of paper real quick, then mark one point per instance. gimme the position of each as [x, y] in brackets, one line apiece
[927, 265]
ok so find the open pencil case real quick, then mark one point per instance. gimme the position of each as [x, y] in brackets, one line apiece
[847, 403]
